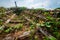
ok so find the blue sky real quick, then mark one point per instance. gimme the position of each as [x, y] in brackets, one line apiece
[48, 4]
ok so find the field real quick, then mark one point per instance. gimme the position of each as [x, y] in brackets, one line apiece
[29, 24]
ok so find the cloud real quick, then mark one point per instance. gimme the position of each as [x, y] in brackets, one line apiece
[29, 1]
[25, 3]
[43, 4]
[32, 3]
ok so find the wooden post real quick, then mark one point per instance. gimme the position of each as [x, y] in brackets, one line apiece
[15, 4]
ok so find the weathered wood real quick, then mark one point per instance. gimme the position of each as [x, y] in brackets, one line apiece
[6, 22]
[40, 29]
[36, 15]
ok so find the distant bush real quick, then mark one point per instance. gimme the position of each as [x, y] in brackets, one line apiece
[18, 10]
[2, 9]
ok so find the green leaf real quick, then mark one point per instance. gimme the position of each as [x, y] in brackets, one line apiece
[8, 30]
[18, 26]
[52, 38]
[32, 27]
[47, 24]
[1, 28]
[42, 24]
[38, 24]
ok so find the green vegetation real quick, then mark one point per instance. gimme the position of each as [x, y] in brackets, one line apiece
[18, 26]
[1, 22]
[2, 10]
[51, 23]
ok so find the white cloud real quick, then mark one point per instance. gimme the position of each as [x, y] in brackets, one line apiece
[34, 3]
[29, 1]
[25, 3]
[40, 4]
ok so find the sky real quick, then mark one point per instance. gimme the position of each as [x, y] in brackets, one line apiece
[47, 4]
